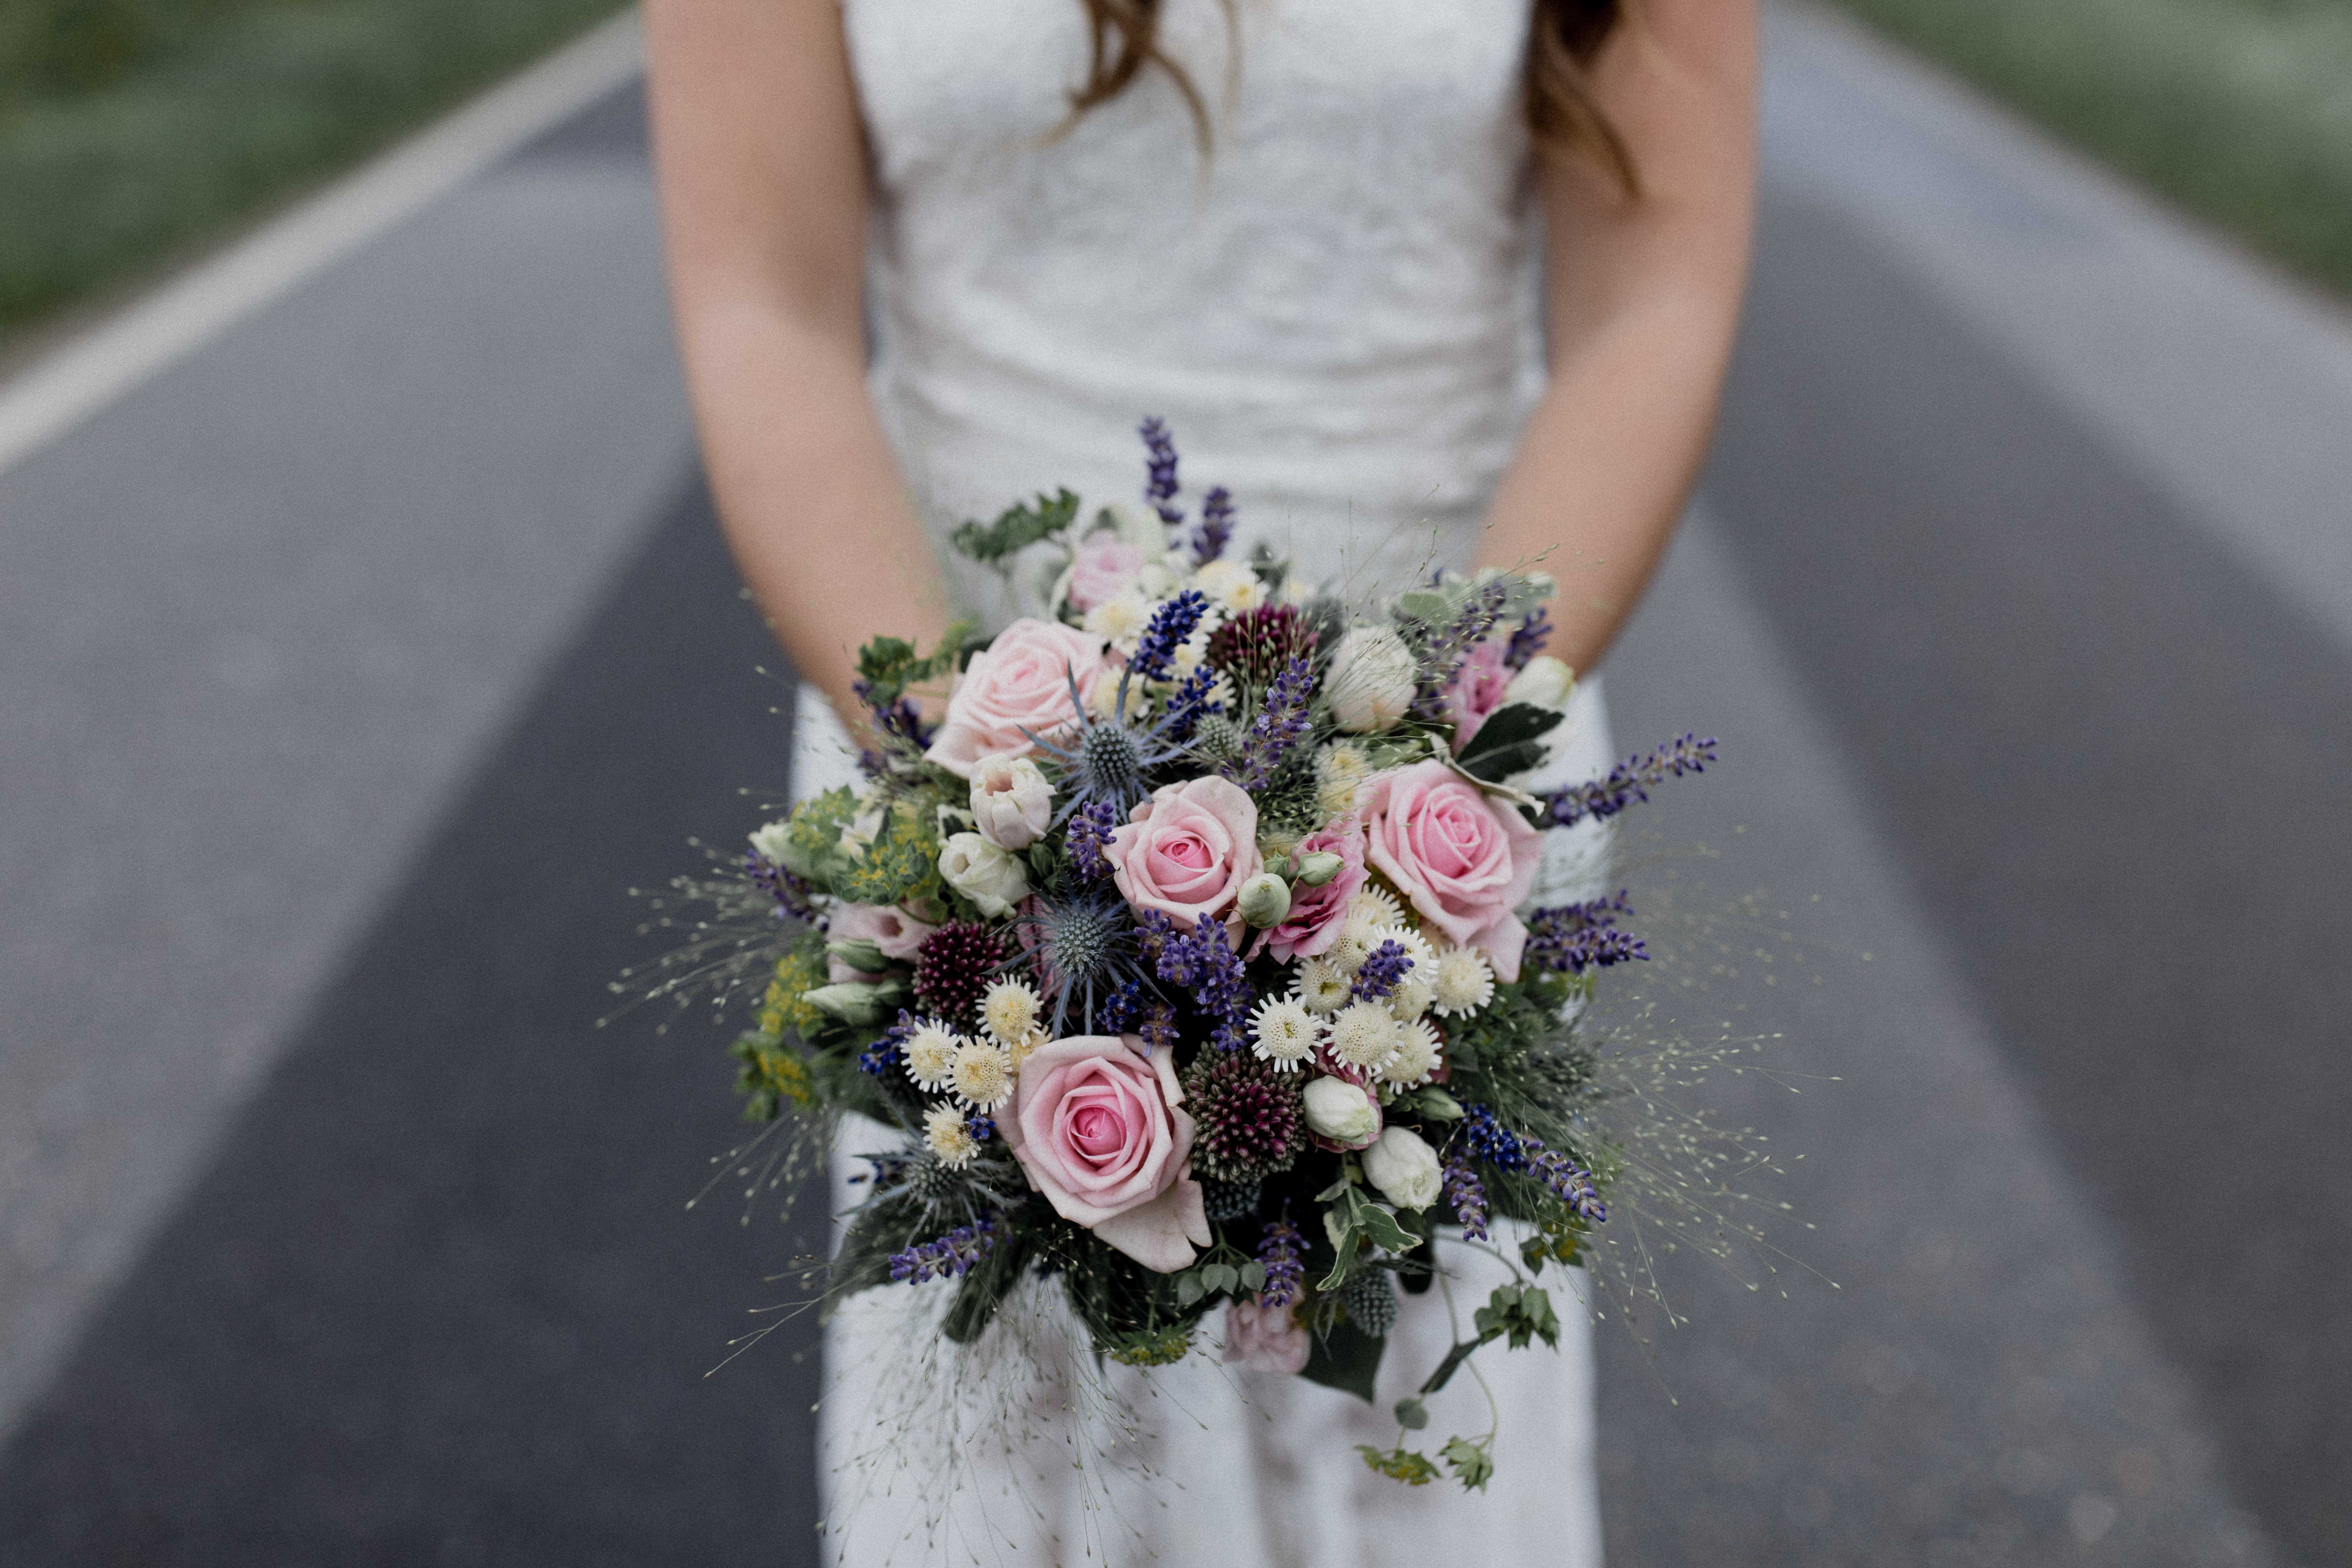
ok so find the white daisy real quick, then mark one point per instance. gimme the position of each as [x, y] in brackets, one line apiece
[1229, 585]
[1465, 981]
[930, 1054]
[982, 1074]
[1119, 620]
[1363, 1034]
[1321, 985]
[949, 1138]
[1418, 1051]
[1286, 1032]
[1010, 1010]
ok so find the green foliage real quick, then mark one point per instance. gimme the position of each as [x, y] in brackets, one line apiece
[890, 665]
[2236, 108]
[1473, 1464]
[901, 866]
[1510, 741]
[1360, 1221]
[1016, 529]
[1149, 1347]
[773, 1075]
[1412, 1413]
[130, 129]
[1520, 1313]
[1400, 1465]
[1342, 1356]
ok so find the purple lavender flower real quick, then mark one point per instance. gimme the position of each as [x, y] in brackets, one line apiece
[1505, 1150]
[1380, 971]
[1201, 961]
[1443, 649]
[1189, 704]
[1467, 1193]
[1216, 528]
[1628, 782]
[1170, 624]
[1528, 640]
[1122, 1011]
[951, 1255]
[1573, 938]
[1159, 458]
[1157, 1029]
[791, 892]
[1280, 725]
[1279, 1251]
[980, 1126]
[1091, 826]
[891, 1049]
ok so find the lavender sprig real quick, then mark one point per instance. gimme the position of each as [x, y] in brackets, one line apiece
[981, 1126]
[1091, 826]
[1573, 938]
[1122, 1010]
[1170, 624]
[1279, 1251]
[1160, 460]
[1443, 649]
[791, 892]
[1380, 971]
[1628, 782]
[951, 1255]
[1280, 725]
[1528, 640]
[1505, 1150]
[889, 1050]
[1189, 704]
[1467, 1193]
[1216, 529]
[1202, 962]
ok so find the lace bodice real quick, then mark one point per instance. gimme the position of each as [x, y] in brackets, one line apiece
[1334, 312]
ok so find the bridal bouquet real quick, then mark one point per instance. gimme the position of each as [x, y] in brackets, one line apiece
[1191, 955]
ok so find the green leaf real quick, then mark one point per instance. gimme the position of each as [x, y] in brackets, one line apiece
[1016, 528]
[1253, 1275]
[1472, 1465]
[1189, 1287]
[1346, 1358]
[1385, 1231]
[1412, 1413]
[1509, 742]
[1219, 1277]
[1400, 1465]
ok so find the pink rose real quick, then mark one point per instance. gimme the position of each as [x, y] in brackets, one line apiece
[1104, 567]
[1095, 1124]
[1465, 862]
[1019, 686]
[1477, 690]
[1317, 913]
[895, 932]
[1265, 1339]
[1188, 850]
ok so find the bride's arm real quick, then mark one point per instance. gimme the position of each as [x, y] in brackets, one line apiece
[763, 172]
[1643, 298]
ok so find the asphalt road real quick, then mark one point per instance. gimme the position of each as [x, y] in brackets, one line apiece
[358, 664]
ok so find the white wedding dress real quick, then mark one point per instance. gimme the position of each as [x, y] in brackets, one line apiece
[1335, 314]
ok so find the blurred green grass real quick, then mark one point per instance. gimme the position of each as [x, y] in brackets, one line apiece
[2239, 111]
[133, 130]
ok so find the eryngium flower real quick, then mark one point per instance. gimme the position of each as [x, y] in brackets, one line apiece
[1370, 1296]
[1249, 1122]
[1258, 645]
[953, 967]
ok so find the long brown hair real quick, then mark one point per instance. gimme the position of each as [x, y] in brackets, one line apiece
[1564, 38]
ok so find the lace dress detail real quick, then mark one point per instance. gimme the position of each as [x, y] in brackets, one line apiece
[1335, 314]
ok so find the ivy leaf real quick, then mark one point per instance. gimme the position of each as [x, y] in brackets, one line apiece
[1347, 1359]
[1385, 1230]
[1472, 1465]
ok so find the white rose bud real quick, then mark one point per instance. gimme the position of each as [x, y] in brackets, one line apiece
[1012, 804]
[1545, 682]
[1373, 678]
[1263, 900]
[986, 875]
[1404, 1169]
[769, 843]
[1342, 1111]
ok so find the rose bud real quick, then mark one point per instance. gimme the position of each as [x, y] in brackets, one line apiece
[1265, 899]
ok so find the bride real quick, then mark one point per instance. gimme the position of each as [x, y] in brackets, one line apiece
[1422, 282]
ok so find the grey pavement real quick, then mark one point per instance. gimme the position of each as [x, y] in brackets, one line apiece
[353, 667]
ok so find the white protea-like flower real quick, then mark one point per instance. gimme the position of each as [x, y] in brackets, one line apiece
[946, 1135]
[1026, 1045]
[1230, 586]
[1340, 770]
[1363, 1034]
[1465, 981]
[1010, 1010]
[1376, 904]
[1286, 1031]
[1119, 620]
[1417, 1053]
[930, 1054]
[982, 1074]
[1322, 987]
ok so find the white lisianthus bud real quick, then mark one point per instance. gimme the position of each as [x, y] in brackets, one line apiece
[1544, 683]
[1342, 1111]
[769, 843]
[1263, 900]
[1404, 1169]
[1319, 867]
[986, 875]
[1012, 804]
[1373, 678]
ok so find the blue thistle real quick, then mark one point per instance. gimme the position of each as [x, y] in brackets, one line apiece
[1086, 948]
[1160, 485]
[1216, 529]
[1628, 782]
[1280, 725]
[1107, 760]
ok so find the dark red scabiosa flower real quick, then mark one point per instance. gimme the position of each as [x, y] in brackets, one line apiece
[954, 968]
[1256, 646]
[1251, 1123]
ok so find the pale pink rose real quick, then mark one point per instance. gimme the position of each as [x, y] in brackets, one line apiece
[1104, 567]
[1012, 804]
[1188, 850]
[1095, 1125]
[1265, 1339]
[1477, 690]
[1317, 913]
[895, 932]
[1016, 689]
[1465, 861]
